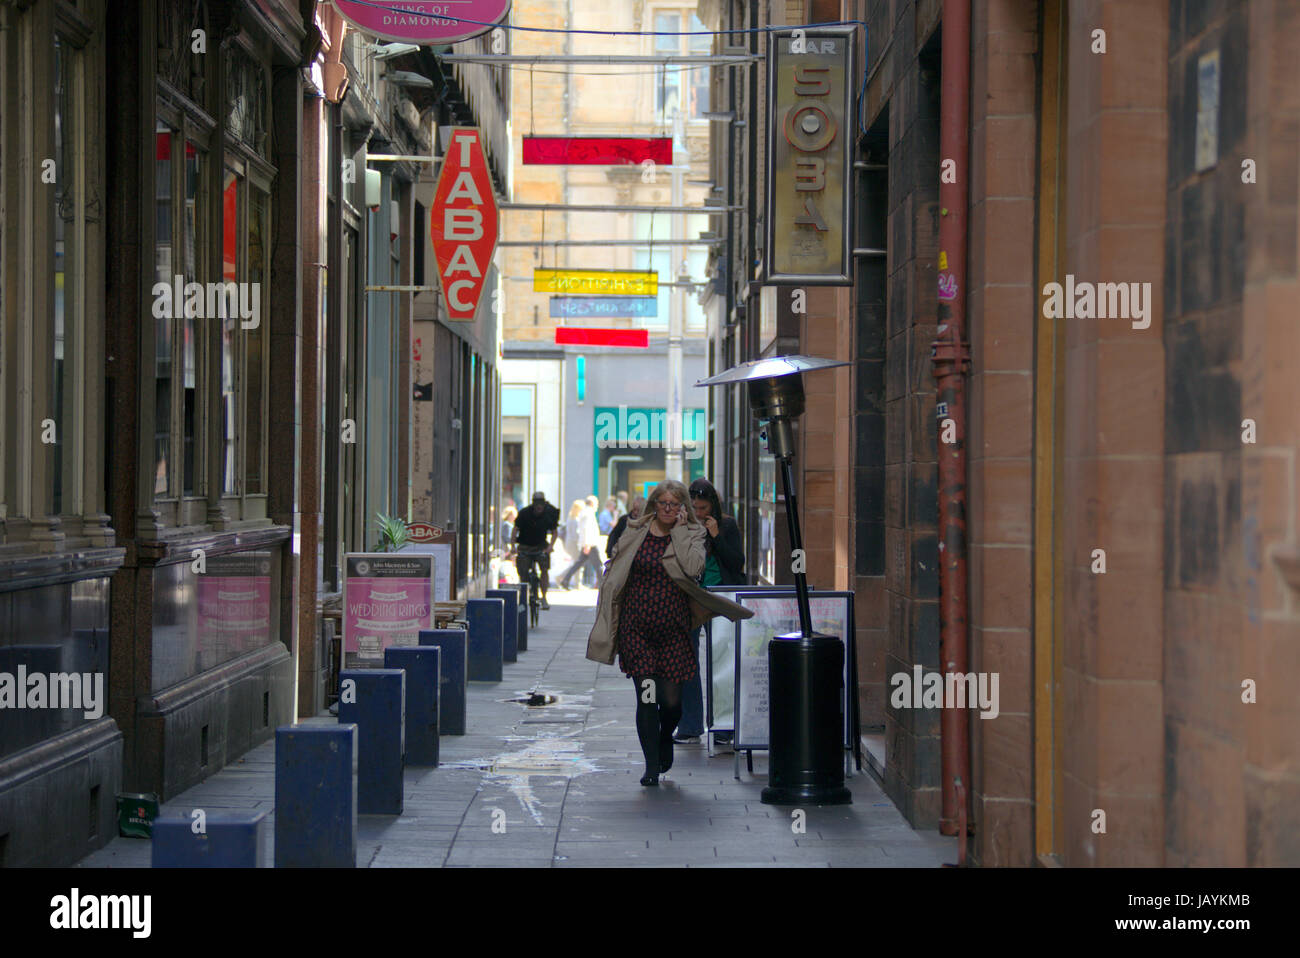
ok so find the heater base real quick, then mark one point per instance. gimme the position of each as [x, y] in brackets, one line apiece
[806, 795]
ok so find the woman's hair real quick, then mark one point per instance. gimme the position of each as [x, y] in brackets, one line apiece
[677, 491]
[611, 501]
[509, 513]
[703, 489]
[637, 508]
[575, 510]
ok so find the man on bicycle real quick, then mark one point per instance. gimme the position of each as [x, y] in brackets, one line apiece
[532, 529]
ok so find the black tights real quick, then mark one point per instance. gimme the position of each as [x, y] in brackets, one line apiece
[658, 710]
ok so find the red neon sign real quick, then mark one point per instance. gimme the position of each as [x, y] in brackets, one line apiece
[463, 224]
[585, 336]
[598, 150]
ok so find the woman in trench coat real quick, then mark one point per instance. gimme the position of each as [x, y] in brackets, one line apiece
[650, 603]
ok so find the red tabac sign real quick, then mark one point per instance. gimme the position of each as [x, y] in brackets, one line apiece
[424, 532]
[464, 223]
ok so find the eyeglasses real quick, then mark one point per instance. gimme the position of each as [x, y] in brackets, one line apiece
[670, 506]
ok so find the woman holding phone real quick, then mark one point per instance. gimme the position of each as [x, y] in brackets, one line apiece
[650, 605]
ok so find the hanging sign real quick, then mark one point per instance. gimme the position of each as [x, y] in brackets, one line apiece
[423, 21]
[586, 336]
[463, 223]
[810, 126]
[622, 307]
[598, 150]
[603, 282]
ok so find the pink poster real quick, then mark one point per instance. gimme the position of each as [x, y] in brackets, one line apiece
[234, 614]
[388, 599]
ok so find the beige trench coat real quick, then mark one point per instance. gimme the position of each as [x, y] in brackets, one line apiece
[683, 561]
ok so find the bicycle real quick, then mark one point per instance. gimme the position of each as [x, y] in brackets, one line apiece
[530, 558]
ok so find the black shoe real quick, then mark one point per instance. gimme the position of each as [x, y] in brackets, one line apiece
[649, 780]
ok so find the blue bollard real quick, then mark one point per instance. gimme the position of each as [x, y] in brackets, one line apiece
[522, 591]
[486, 637]
[453, 644]
[220, 838]
[420, 663]
[377, 705]
[316, 796]
[509, 621]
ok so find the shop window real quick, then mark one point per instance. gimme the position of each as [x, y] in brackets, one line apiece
[182, 238]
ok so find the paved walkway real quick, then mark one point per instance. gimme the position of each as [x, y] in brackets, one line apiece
[562, 780]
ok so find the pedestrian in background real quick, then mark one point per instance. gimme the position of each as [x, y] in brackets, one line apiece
[622, 504]
[608, 516]
[648, 607]
[634, 511]
[587, 542]
[597, 538]
[724, 564]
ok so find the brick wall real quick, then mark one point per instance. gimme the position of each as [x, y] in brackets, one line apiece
[1114, 419]
[1230, 285]
[1001, 308]
[909, 83]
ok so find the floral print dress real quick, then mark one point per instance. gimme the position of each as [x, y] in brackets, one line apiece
[654, 619]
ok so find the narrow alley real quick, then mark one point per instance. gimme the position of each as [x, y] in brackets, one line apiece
[565, 777]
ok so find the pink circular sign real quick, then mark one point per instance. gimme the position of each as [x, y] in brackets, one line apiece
[424, 21]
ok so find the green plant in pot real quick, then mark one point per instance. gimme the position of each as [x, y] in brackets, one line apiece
[393, 533]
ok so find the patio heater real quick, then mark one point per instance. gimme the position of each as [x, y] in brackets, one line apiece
[805, 668]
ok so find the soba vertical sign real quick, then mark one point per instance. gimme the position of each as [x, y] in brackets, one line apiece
[810, 124]
[463, 223]
[424, 21]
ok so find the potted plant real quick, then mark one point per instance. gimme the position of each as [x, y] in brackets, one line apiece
[393, 533]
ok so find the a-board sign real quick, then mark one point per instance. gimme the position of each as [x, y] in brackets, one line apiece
[720, 647]
[387, 599]
[778, 614]
[442, 565]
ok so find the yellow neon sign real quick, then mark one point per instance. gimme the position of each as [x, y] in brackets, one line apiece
[604, 282]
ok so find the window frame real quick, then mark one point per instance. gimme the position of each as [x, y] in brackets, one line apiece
[188, 124]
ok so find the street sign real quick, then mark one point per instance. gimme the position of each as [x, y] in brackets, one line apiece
[598, 150]
[463, 223]
[423, 21]
[607, 282]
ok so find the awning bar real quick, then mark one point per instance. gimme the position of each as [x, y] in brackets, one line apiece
[624, 208]
[696, 59]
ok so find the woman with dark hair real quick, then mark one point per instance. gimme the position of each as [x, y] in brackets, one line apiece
[724, 564]
[649, 606]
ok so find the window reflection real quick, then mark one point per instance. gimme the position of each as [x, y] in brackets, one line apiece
[164, 272]
[229, 274]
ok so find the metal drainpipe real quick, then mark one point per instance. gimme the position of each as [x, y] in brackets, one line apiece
[950, 362]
